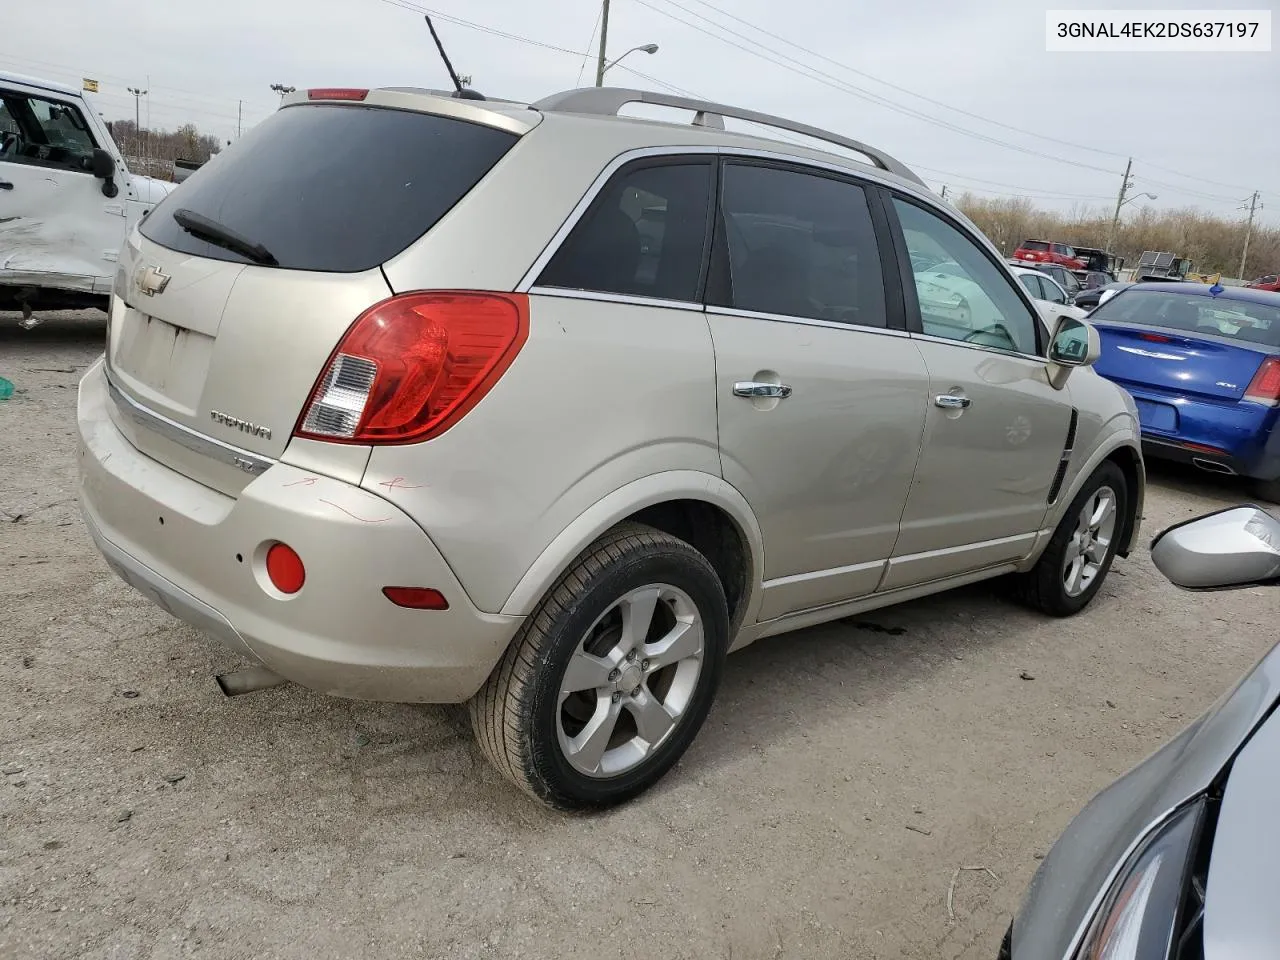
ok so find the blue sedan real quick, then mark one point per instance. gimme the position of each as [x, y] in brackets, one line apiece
[1203, 365]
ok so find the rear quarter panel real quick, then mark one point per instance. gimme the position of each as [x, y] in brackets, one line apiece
[601, 395]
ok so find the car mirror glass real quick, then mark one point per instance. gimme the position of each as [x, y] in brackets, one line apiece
[1074, 344]
[1237, 547]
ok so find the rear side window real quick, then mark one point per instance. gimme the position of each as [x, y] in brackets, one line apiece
[643, 236]
[1063, 250]
[800, 245]
[1032, 283]
[332, 188]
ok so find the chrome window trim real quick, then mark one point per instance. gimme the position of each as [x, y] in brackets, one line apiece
[803, 321]
[238, 457]
[980, 346]
[575, 294]
[853, 171]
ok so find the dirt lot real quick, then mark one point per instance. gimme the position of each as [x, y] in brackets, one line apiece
[844, 775]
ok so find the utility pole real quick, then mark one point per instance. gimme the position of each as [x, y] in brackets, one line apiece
[944, 191]
[1248, 230]
[1125, 184]
[138, 94]
[239, 117]
[604, 33]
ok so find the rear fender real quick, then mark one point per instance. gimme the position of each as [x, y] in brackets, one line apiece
[622, 503]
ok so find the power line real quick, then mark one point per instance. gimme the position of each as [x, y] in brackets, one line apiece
[590, 41]
[939, 103]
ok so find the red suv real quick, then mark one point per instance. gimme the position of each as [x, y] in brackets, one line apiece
[1045, 251]
[1269, 282]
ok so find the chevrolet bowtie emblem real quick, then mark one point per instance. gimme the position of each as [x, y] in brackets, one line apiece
[152, 280]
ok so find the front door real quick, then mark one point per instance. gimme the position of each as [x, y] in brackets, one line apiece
[57, 229]
[821, 400]
[995, 428]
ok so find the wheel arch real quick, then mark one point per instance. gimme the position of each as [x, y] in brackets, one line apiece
[699, 508]
[1123, 447]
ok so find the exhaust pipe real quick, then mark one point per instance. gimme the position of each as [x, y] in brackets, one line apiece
[248, 680]
[1212, 466]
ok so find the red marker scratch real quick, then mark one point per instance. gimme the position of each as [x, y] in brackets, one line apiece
[352, 515]
[398, 483]
[309, 481]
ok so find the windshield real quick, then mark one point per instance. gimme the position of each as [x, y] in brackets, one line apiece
[1234, 319]
[336, 188]
[1034, 245]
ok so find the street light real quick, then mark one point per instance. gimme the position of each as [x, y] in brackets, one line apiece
[645, 47]
[281, 89]
[1136, 196]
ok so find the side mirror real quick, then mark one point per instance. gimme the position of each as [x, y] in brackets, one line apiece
[1075, 343]
[103, 167]
[1236, 547]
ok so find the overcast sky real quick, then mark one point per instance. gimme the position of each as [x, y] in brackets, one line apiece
[1204, 129]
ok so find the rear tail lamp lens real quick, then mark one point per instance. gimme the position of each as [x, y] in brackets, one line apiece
[336, 93]
[412, 366]
[1265, 385]
[417, 598]
[284, 568]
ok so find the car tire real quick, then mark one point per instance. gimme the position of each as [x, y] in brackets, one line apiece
[580, 664]
[1049, 586]
[1268, 490]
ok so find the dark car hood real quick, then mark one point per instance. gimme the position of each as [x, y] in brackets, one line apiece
[1241, 921]
[1079, 869]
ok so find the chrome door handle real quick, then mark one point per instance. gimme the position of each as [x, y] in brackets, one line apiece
[949, 401]
[754, 389]
[5, 185]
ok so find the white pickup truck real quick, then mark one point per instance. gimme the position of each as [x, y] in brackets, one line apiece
[67, 200]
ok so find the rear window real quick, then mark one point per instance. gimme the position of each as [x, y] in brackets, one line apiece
[334, 188]
[1034, 245]
[1234, 319]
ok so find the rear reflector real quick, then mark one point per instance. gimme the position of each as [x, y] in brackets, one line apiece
[412, 366]
[417, 598]
[1265, 385]
[336, 93]
[284, 568]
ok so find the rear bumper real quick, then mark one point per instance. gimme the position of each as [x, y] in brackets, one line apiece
[200, 555]
[1242, 437]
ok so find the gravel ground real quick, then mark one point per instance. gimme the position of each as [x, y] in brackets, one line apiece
[843, 776]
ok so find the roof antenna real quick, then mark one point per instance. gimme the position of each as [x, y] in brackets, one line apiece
[460, 91]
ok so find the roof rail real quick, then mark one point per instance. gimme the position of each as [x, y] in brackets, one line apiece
[607, 101]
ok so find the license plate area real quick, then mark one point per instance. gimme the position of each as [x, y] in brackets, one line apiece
[1157, 416]
[169, 361]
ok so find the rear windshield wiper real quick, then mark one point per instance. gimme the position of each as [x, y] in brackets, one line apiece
[211, 231]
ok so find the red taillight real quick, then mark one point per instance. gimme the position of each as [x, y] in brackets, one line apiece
[412, 366]
[1265, 385]
[1155, 338]
[336, 93]
[284, 568]
[417, 598]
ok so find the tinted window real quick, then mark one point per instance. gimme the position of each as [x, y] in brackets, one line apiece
[800, 245]
[972, 301]
[45, 133]
[1063, 249]
[1052, 291]
[1223, 317]
[1034, 245]
[332, 188]
[643, 236]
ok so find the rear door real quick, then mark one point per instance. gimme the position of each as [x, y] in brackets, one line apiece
[821, 394]
[57, 228]
[995, 429]
[222, 330]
